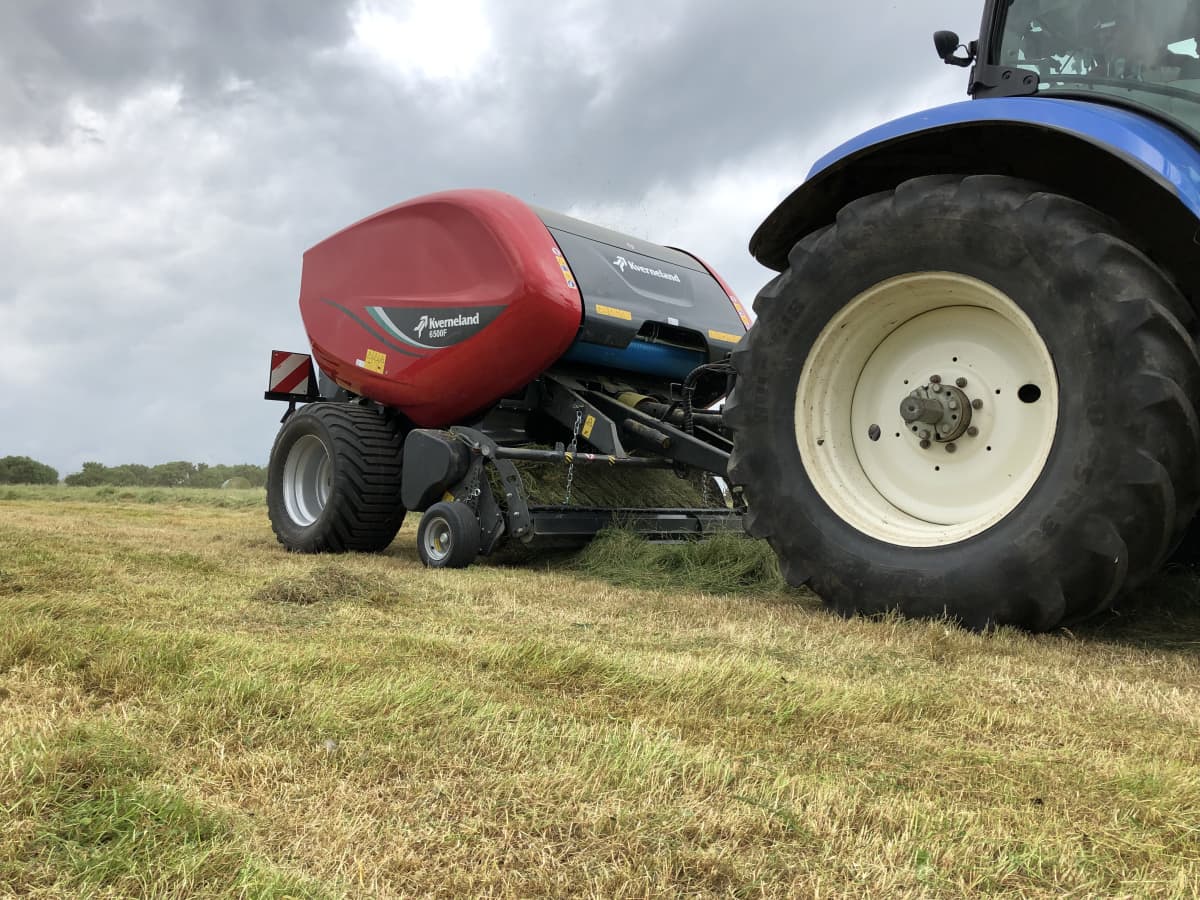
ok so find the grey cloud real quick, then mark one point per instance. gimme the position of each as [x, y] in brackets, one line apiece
[152, 252]
[55, 51]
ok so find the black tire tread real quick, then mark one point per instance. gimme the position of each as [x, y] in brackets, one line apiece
[364, 512]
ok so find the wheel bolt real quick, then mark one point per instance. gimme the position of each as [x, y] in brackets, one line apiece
[953, 404]
[935, 379]
[950, 448]
[925, 445]
[973, 431]
[961, 382]
[937, 388]
[944, 428]
[924, 435]
[976, 404]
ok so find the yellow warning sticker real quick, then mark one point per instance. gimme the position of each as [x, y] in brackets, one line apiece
[724, 336]
[741, 311]
[588, 424]
[375, 361]
[568, 276]
[613, 312]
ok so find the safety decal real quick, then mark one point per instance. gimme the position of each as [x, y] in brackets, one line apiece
[741, 310]
[291, 373]
[613, 312]
[724, 337]
[374, 361]
[568, 276]
[588, 424]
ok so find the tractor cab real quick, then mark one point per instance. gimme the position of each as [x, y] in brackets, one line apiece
[1139, 54]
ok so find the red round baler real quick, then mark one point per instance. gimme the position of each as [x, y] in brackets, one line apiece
[507, 324]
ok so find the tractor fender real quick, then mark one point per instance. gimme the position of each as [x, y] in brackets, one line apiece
[1140, 171]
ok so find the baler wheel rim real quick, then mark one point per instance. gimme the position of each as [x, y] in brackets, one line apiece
[439, 540]
[307, 480]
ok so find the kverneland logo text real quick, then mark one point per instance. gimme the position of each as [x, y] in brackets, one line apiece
[453, 322]
[622, 263]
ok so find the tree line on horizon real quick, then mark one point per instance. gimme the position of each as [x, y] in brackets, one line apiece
[24, 470]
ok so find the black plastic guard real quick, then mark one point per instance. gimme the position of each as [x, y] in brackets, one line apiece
[433, 461]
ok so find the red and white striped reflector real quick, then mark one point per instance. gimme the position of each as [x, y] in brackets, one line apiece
[291, 373]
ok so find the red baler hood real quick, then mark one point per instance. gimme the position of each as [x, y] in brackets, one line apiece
[440, 306]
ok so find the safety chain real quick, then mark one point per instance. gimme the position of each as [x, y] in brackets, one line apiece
[571, 449]
[471, 495]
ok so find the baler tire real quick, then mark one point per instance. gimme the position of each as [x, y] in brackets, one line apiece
[333, 482]
[1117, 484]
[448, 536]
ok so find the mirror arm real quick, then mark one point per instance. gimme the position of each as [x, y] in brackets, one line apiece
[963, 61]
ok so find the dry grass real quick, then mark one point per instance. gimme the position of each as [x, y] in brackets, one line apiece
[169, 727]
[594, 485]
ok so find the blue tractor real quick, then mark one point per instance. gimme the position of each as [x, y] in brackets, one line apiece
[972, 389]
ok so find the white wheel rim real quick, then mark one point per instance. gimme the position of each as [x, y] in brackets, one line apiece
[890, 340]
[307, 480]
[438, 539]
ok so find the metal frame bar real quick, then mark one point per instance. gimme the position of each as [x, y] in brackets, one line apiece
[527, 523]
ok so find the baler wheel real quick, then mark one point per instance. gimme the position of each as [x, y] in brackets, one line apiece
[333, 483]
[969, 398]
[448, 536]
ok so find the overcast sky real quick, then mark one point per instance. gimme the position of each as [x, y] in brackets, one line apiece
[165, 163]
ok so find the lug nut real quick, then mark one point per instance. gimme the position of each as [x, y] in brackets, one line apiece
[961, 382]
[950, 448]
[976, 404]
[935, 379]
[953, 404]
[972, 431]
[924, 435]
[937, 388]
[925, 445]
[944, 428]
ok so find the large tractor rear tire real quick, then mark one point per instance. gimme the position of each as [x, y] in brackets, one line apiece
[333, 483]
[970, 398]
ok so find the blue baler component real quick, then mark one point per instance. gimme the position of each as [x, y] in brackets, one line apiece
[660, 360]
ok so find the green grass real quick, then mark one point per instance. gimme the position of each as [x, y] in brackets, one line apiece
[231, 498]
[187, 710]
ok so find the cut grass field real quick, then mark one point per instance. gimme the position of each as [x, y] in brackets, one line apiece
[186, 710]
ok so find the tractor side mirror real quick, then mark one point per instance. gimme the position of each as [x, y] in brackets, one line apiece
[947, 44]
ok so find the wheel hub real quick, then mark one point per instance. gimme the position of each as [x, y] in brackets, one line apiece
[939, 413]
